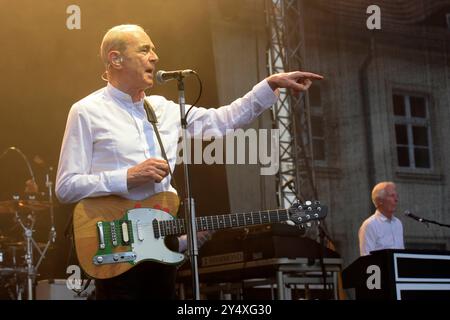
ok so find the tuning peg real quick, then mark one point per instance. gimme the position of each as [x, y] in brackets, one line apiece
[297, 204]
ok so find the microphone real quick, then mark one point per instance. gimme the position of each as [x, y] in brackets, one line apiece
[412, 216]
[163, 76]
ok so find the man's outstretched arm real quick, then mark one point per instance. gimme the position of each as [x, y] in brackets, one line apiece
[297, 81]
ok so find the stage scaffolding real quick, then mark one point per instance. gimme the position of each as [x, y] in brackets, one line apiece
[291, 114]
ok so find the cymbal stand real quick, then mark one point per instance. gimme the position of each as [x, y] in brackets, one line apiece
[18, 288]
[28, 234]
[52, 235]
[49, 185]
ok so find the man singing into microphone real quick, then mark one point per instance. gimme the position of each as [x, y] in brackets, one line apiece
[110, 148]
[382, 230]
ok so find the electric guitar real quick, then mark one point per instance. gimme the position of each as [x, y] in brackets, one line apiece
[112, 234]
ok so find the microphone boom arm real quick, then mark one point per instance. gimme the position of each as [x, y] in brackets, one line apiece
[423, 220]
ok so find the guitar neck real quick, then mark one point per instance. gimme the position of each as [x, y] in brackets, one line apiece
[234, 220]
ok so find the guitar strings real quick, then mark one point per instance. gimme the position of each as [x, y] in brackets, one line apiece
[173, 228]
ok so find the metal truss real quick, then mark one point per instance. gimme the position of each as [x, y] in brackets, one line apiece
[295, 179]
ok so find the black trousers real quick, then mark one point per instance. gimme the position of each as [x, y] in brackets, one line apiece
[147, 280]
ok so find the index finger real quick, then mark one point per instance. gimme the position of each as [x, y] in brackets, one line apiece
[158, 160]
[308, 75]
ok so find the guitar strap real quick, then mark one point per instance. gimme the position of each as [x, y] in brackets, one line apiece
[151, 116]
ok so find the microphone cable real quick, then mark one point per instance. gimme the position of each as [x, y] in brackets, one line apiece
[198, 97]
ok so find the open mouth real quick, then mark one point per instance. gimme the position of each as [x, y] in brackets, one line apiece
[149, 71]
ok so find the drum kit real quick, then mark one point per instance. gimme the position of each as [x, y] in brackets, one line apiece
[21, 255]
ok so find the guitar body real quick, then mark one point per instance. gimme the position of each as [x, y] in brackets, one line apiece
[139, 216]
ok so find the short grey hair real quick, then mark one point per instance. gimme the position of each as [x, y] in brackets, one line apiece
[379, 191]
[115, 39]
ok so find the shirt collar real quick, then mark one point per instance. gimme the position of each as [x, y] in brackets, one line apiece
[381, 216]
[121, 96]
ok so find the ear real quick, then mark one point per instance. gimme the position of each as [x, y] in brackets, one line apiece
[115, 59]
[378, 202]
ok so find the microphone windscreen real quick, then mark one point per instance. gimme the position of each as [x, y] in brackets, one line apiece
[159, 76]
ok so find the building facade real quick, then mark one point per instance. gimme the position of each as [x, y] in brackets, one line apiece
[381, 113]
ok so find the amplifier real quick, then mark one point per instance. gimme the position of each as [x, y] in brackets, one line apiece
[56, 289]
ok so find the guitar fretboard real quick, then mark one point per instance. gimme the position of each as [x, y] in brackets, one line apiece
[234, 220]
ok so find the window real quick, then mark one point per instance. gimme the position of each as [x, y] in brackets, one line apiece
[412, 131]
[317, 123]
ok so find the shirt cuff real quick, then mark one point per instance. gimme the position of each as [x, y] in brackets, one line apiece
[117, 180]
[182, 243]
[264, 93]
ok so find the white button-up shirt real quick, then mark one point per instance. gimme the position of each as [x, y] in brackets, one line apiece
[106, 133]
[378, 232]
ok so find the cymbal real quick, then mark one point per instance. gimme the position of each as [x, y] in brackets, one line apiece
[11, 206]
[23, 244]
[10, 271]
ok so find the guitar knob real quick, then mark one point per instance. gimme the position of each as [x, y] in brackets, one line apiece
[308, 203]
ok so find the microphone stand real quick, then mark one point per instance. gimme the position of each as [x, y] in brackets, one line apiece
[189, 207]
[426, 221]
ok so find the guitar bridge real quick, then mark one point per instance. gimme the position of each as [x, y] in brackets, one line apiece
[114, 258]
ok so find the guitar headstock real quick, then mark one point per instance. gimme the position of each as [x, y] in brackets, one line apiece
[300, 213]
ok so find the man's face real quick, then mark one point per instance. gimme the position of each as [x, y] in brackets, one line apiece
[388, 204]
[139, 60]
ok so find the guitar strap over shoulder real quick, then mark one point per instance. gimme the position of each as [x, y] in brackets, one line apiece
[151, 116]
